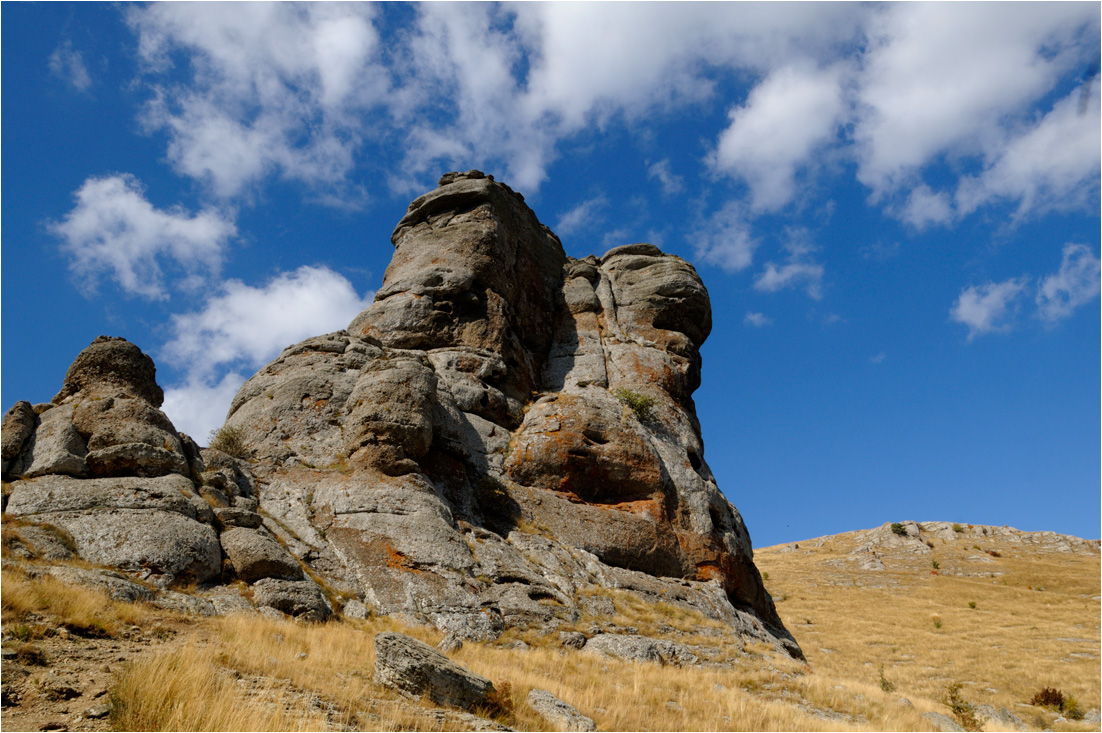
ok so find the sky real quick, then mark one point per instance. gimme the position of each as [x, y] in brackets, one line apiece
[895, 209]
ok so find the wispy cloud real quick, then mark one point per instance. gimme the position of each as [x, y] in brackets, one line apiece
[724, 240]
[671, 183]
[1075, 284]
[757, 320]
[68, 64]
[582, 216]
[798, 270]
[114, 230]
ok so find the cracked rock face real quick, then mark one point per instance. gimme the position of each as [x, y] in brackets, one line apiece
[502, 432]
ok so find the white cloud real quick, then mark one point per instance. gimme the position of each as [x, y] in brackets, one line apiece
[758, 320]
[197, 408]
[67, 64]
[274, 87]
[1075, 284]
[581, 216]
[943, 77]
[925, 207]
[799, 269]
[988, 308]
[113, 229]
[790, 114]
[1051, 164]
[248, 326]
[725, 240]
[879, 358]
[671, 183]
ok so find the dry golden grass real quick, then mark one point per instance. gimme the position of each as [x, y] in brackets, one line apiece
[259, 673]
[1002, 638]
[45, 603]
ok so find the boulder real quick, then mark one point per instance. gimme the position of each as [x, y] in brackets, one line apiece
[255, 554]
[298, 598]
[558, 714]
[941, 722]
[633, 647]
[415, 668]
[19, 423]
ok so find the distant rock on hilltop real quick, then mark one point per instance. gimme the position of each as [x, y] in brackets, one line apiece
[503, 433]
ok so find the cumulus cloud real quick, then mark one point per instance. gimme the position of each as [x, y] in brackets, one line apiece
[786, 117]
[247, 326]
[798, 270]
[925, 207]
[943, 77]
[273, 88]
[197, 408]
[1053, 164]
[990, 307]
[1075, 284]
[114, 230]
[725, 241]
[68, 64]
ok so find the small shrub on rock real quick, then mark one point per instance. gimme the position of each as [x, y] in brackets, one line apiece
[639, 403]
[962, 710]
[897, 528]
[230, 440]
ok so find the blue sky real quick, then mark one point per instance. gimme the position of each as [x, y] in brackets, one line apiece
[895, 209]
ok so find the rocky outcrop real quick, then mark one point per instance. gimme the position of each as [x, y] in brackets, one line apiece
[503, 433]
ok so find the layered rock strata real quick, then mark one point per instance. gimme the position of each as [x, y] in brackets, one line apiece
[504, 432]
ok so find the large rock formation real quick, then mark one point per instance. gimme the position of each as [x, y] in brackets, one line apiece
[503, 431]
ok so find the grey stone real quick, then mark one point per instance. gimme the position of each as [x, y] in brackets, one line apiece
[298, 598]
[633, 647]
[415, 668]
[112, 362]
[19, 424]
[572, 639]
[234, 517]
[942, 722]
[558, 714]
[255, 554]
[162, 547]
[228, 602]
[450, 643]
[113, 584]
[50, 494]
[55, 446]
[184, 603]
[355, 608]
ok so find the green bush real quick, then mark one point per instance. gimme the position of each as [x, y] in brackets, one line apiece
[898, 529]
[639, 403]
[957, 527]
[230, 440]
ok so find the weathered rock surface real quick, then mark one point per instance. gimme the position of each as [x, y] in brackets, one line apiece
[503, 433]
[415, 668]
[255, 554]
[632, 647]
[298, 598]
[559, 715]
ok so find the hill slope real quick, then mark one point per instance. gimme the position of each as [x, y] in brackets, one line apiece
[884, 638]
[999, 611]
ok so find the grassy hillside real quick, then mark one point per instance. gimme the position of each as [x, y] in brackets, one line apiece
[877, 624]
[1002, 613]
